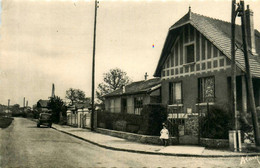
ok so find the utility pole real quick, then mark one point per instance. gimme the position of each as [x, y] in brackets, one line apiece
[93, 69]
[235, 134]
[249, 76]
[233, 64]
[23, 104]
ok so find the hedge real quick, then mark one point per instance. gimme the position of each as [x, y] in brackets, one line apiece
[148, 123]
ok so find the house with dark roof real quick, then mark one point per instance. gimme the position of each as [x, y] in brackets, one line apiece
[195, 67]
[134, 108]
[131, 98]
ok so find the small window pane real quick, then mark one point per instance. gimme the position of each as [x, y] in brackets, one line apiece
[190, 53]
[215, 63]
[221, 62]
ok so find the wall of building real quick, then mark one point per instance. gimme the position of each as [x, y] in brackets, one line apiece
[130, 104]
[116, 102]
[190, 88]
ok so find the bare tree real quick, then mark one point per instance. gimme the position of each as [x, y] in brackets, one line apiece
[112, 80]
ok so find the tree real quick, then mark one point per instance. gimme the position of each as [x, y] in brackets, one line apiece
[57, 107]
[76, 95]
[15, 109]
[112, 80]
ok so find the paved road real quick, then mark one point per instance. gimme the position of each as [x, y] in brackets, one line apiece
[24, 145]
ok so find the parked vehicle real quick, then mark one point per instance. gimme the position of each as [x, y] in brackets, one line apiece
[44, 119]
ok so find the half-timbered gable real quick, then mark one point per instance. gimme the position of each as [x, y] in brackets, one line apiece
[192, 53]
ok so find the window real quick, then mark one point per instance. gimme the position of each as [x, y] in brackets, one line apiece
[112, 106]
[138, 103]
[189, 53]
[175, 93]
[206, 89]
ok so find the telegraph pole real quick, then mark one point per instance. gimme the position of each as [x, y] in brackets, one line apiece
[93, 69]
[249, 76]
[23, 104]
[233, 64]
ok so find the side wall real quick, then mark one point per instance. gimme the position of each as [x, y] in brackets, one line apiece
[114, 104]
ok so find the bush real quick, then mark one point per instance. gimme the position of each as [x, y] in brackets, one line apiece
[154, 115]
[5, 122]
[217, 122]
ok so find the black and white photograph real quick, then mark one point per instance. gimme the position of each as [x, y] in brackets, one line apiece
[129, 83]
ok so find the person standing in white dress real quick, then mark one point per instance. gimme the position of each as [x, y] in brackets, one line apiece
[164, 135]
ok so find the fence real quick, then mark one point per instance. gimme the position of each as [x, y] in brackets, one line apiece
[79, 118]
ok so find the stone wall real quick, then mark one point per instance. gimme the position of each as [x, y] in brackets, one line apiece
[214, 143]
[191, 125]
[136, 137]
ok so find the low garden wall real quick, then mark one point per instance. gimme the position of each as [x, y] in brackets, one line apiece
[214, 143]
[147, 139]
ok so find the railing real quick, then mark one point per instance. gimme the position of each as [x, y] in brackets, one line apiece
[172, 128]
[206, 100]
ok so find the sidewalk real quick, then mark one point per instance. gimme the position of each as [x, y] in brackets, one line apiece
[119, 144]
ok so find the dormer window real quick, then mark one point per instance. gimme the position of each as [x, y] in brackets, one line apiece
[189, 50]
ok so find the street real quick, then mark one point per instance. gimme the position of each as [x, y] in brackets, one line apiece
[25, 145]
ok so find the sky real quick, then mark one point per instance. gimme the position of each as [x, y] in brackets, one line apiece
[51, 41]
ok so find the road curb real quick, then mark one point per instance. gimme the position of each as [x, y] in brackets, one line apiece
[155, 153]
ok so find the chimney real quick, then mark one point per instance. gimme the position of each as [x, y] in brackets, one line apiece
[250, 30]
[145, 76]
[53, 91]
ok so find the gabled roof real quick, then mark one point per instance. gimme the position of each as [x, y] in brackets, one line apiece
[216, 31]
[144, 86]
[80, 105]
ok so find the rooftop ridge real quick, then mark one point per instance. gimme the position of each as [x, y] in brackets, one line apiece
[213, 18]
[218, 19]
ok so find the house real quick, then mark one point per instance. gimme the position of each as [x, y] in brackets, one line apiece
[131, 98]
[124, 108]
[195, 67]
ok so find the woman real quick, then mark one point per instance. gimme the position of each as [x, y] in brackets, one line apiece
[164, 135]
